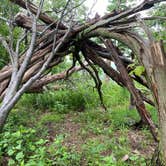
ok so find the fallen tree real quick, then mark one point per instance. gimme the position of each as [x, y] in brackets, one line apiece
[51, 42]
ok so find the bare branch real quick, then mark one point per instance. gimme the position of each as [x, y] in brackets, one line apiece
[7, 47]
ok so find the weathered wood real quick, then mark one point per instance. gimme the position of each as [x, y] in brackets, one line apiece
[44, 17]
[113, 74]
[26, 22]
[38, 85]
[145, 116]
[158, 81]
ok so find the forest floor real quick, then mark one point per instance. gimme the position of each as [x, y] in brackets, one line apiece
[83, 137]
[96, 140]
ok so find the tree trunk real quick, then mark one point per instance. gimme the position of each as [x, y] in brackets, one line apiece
[161, 84]
[158, 79]
[132, 103]
[138, 100]
[3, 116]
[159, 157]
[4, 111]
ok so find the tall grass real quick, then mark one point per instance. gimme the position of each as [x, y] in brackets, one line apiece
[82, 96]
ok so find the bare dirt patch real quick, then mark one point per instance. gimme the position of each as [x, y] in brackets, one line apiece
[140, 143]
[71, 130]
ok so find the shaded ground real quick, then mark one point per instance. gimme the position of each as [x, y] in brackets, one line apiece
[79, 136]
[49, 130]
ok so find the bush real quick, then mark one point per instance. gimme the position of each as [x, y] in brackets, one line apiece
[75, 98]
[41, 101]
[22, 146]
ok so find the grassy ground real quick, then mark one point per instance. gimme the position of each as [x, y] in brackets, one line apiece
[69, 128]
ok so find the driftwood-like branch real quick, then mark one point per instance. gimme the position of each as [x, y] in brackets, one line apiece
[44, 17]
[130, 86]
[38, 86]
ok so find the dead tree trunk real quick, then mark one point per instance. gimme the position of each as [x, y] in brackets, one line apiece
[123, 80]
[152, 55]
[145, 116]
[157, 75]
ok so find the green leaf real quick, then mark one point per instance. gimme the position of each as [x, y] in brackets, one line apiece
[41, 142]
[109, 159]
[11, 162]
[32, 147]
[17, 134]
[5, 145]
[19, 156]
[134, 158]
[139, 70]
[10, 152]
[18, 147]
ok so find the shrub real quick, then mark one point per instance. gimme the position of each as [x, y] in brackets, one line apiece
[22, 146]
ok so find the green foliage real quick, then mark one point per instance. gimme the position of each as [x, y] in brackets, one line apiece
[158, 25]
[38, 101]
[96, 116]
[80, 97]
[51, 118]
[77, 97]
[60, 155]
[114, 5]
[138, 71]
[4, 59]
[54, 8]
[8, 11]
[92, 151]
[22, 147]
[111, 91]
[103, 137]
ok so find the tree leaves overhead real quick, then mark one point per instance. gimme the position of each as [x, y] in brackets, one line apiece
[159, 25]
[6, 9]
[117, 5]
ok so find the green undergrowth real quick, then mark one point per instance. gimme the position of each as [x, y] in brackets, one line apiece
[69, 128]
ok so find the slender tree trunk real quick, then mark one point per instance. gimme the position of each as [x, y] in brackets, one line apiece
[3, 116]
[4, 111]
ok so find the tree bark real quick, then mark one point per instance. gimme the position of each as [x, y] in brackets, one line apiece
[123, 80]
[144, 114]
[158, 82]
